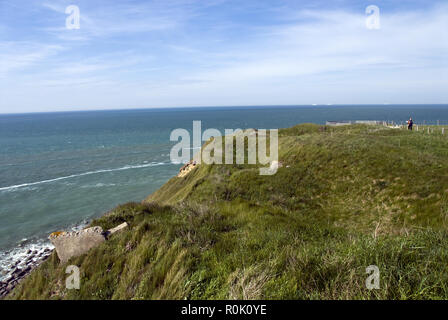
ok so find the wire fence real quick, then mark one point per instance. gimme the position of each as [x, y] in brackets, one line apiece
[424, 126]
[429, 127]
[428, 122]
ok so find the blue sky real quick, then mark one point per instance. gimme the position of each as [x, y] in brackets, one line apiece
[175, 53]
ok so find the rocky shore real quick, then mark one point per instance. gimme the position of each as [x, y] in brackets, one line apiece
[21, 268]
[66, 245]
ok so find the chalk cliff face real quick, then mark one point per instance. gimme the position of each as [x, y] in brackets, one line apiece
[343, 198]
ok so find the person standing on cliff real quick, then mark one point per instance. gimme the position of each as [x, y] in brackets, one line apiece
[410, 124]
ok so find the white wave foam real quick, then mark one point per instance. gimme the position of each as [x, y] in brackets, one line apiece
[84, 174]
[99, 185]
[17, 256]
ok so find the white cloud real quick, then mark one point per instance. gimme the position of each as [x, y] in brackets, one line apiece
[17, 56]
[407, 52]
[109, 20]
[313, 56]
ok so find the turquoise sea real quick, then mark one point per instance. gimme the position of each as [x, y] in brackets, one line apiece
[60, 170]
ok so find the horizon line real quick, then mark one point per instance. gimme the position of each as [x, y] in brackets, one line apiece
[225, 106]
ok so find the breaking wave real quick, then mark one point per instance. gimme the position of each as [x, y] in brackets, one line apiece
[153, 164]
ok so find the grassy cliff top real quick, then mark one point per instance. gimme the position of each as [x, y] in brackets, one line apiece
[345, 198]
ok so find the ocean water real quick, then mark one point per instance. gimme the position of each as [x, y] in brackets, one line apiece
[60, 170]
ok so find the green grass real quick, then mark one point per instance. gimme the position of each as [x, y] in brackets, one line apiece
[345, 198]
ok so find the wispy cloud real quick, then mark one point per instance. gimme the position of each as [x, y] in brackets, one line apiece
[192, 52]
[109, 20]
[18, 56]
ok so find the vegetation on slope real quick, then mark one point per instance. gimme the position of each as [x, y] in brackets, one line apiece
[345, 198]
